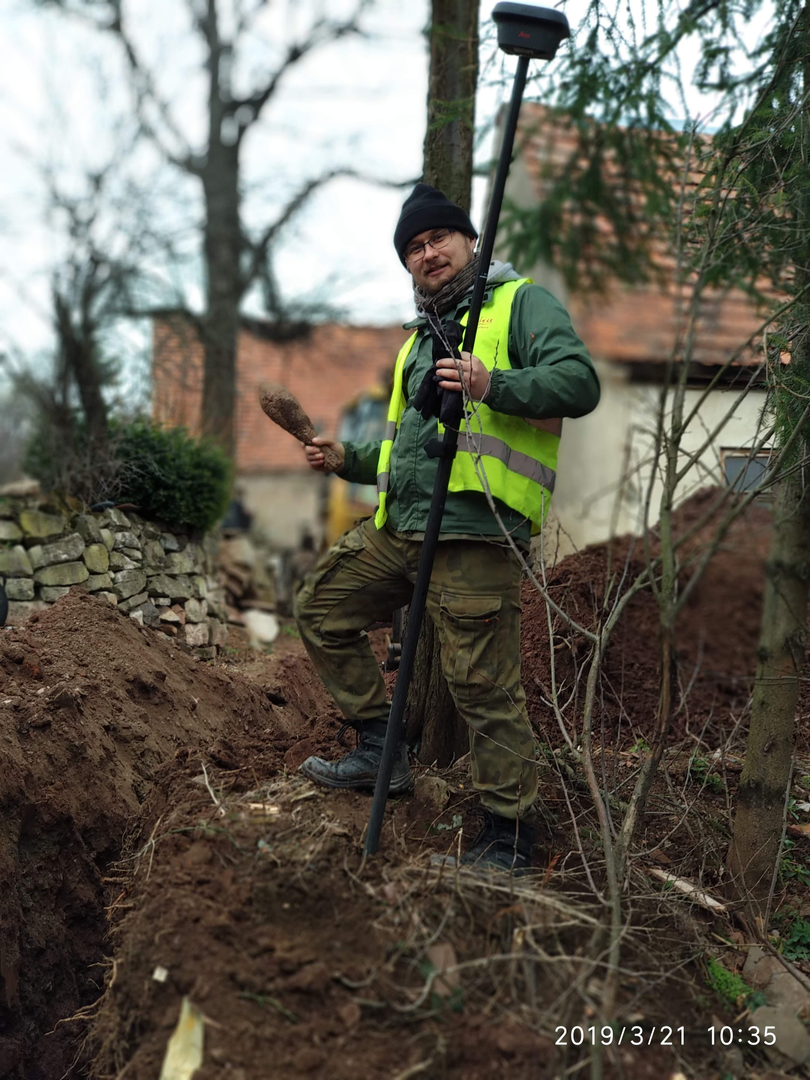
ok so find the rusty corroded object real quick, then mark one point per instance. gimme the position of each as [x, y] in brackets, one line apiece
[284, 409]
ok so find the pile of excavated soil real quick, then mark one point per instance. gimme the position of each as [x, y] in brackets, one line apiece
[91, 706]
[152, 818]
[254, 905]
[717, 633]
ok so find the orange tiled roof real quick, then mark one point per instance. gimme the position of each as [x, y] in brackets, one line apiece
[638, 323]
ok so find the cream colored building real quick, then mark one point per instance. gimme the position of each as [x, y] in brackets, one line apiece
[608, 477]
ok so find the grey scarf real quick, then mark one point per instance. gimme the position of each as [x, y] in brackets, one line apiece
[449, 295]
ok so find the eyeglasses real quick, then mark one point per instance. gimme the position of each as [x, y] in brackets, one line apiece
[439, 240]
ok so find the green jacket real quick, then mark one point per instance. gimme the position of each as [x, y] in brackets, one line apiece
[552, 376]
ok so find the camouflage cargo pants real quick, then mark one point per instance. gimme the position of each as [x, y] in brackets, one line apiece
[474, 600]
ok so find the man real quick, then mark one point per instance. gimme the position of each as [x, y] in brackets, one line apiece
[528, 370]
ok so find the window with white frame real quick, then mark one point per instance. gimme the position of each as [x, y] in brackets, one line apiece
[742, 468]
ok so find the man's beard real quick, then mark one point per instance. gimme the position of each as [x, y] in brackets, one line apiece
[446, 297]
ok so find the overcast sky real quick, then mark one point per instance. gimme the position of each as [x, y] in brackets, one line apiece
[358, 102]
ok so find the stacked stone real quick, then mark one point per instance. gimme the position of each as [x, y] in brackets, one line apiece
[161, 579]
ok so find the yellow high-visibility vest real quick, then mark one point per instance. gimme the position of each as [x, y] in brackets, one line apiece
[506, 455]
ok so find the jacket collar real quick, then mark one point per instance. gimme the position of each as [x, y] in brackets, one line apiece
[499, 272]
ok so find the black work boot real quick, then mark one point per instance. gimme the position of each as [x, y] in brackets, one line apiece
[502, 844]
[358, 769]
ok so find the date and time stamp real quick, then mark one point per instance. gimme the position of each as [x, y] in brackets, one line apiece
[636, 1035]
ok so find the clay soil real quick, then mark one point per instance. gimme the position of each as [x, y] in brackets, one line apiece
[157, 843]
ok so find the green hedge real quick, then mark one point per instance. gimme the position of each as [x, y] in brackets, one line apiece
[172, 477]
[168, 475]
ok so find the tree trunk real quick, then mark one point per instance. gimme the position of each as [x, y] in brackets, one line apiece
[430, 715]
[769, 753]
[448, 151]
[766, 775]
[79, 364]
[223, 243]
[220, 323]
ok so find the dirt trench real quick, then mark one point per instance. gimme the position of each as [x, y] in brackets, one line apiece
[128, 841]
[92, 708]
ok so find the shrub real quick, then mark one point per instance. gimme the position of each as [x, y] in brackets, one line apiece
[64, 458]
[172, 477]
[168, 475]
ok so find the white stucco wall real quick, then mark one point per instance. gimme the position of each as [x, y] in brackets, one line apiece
[605, 460]
[283, 505]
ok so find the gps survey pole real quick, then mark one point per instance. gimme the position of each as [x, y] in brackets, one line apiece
[530, 32]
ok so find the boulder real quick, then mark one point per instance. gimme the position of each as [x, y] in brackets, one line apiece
[67, 549]
[154, 557]
[14, 562]
[150, 614]
[99, 581]
[20, 489]
[35, 555]
[176, 588]
[133, 602]
[169, 542]
[51, 593]
[792, 1037]
[129, 582]
[126, 540]
[118, 519]
[181, 562]
[67, 573]
[261, 626]
[88, 528]
[786, 990]
[40, 525]
[20, 588]
[96, 558]
[9, 531]
[107, 539]
[196, 633]
[196, 610]
[119, 561]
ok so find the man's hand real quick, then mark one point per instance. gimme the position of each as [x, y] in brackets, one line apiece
[315, 456]
[475, 375]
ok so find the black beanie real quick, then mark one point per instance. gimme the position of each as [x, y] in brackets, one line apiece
[428, 208]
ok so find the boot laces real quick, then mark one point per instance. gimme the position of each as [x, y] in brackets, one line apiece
[348, 725]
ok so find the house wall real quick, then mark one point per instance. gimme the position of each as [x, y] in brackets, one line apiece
[285, 504]
[605, 465]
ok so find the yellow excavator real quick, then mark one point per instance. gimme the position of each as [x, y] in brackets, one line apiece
[362, 420]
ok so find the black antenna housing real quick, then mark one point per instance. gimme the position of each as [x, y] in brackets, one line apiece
[529, 30]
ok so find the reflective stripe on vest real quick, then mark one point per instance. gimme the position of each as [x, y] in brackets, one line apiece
[511, 458]
[489, 446]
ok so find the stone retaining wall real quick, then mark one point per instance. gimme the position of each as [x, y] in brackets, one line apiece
[161, 578]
